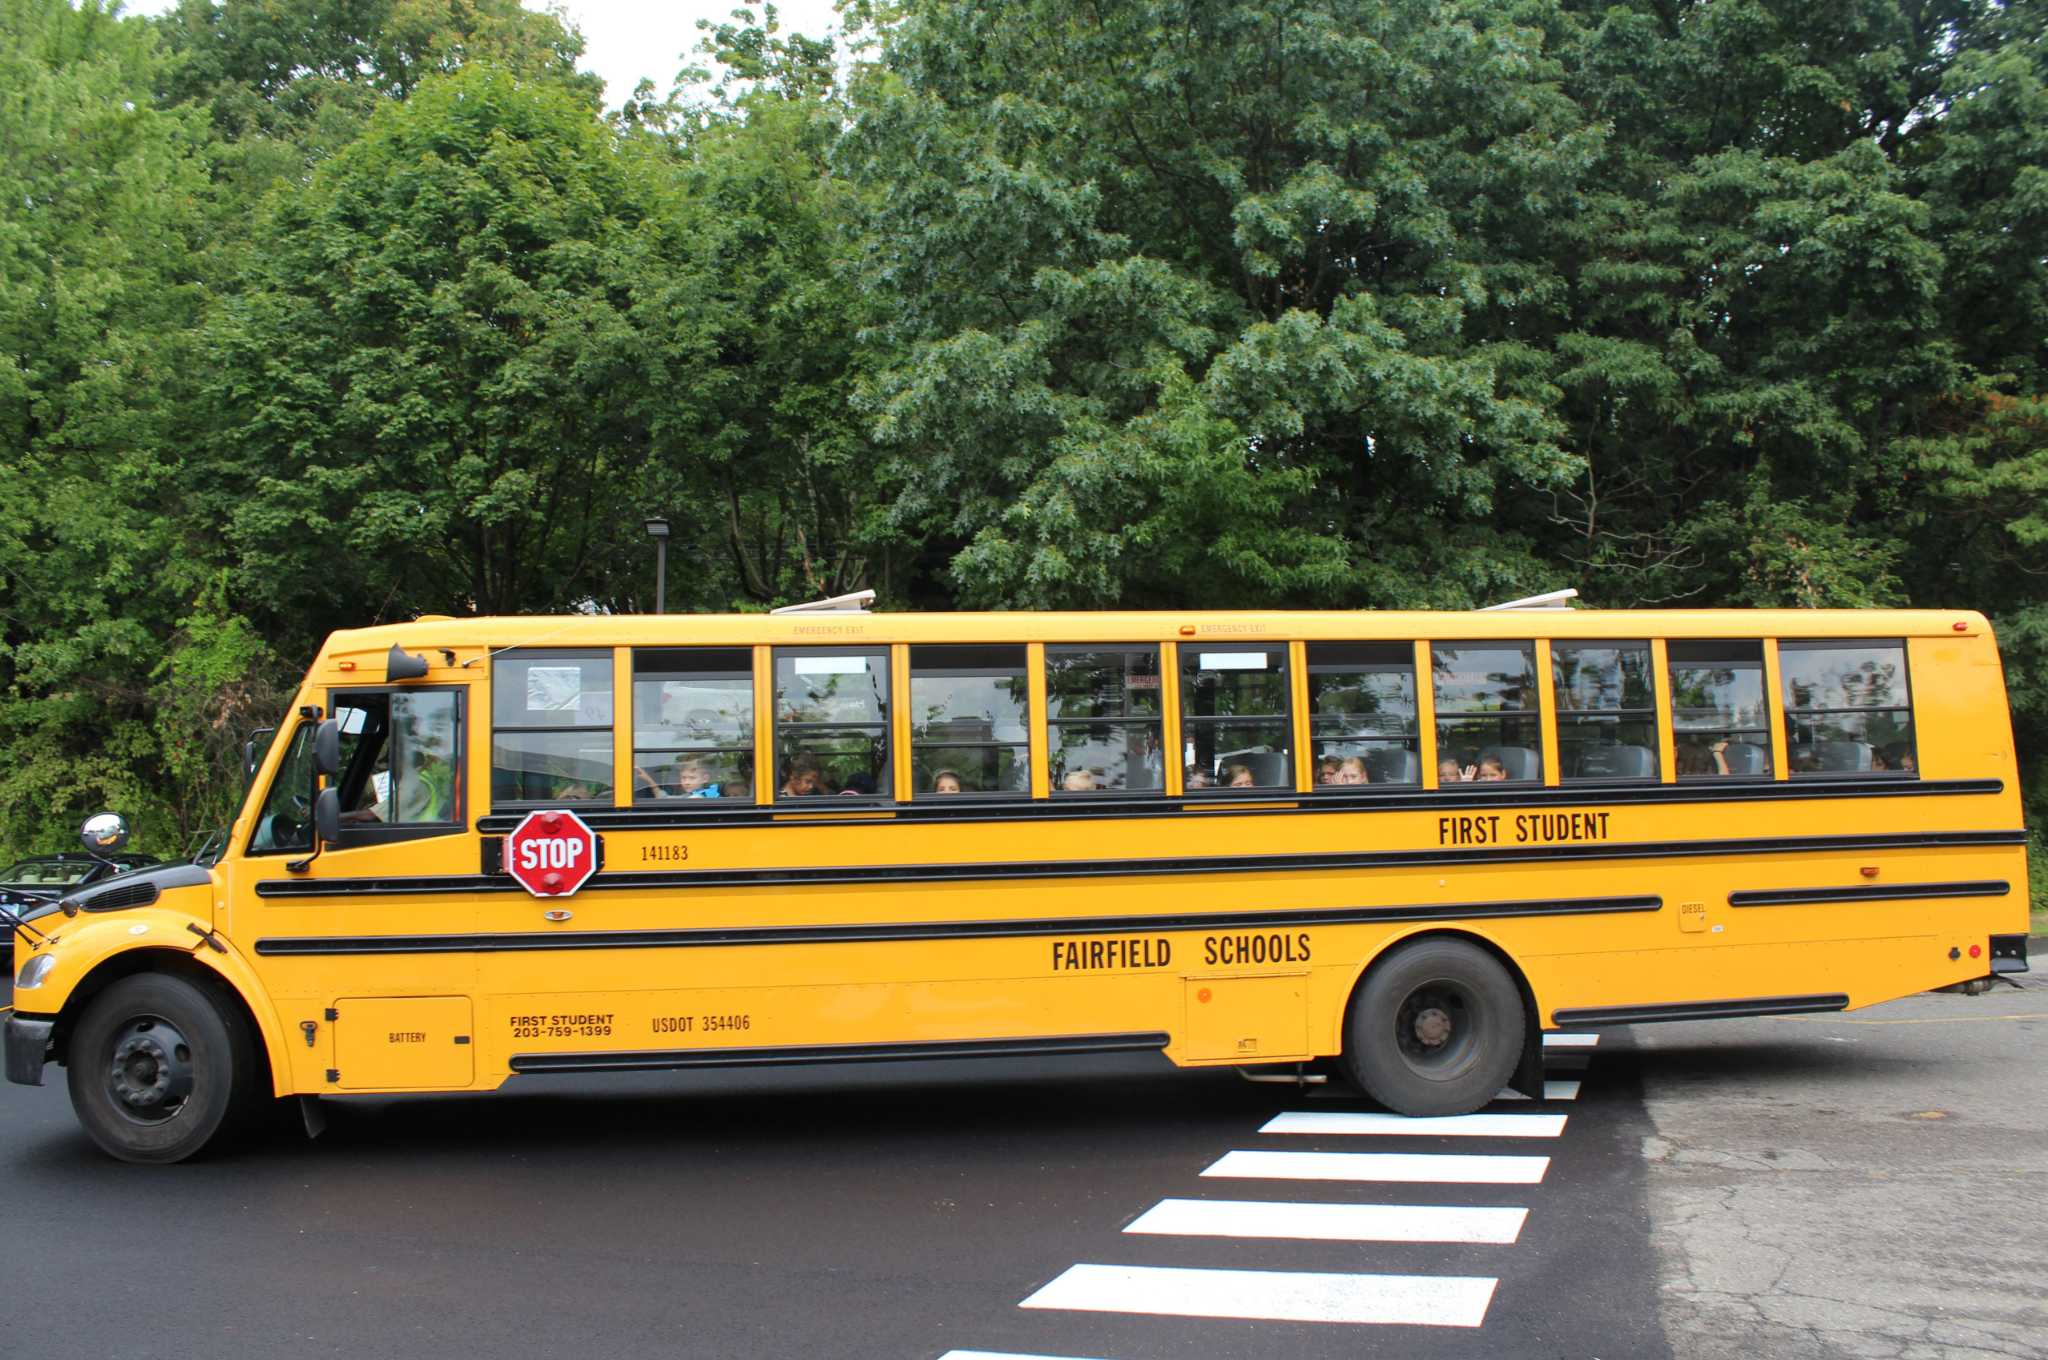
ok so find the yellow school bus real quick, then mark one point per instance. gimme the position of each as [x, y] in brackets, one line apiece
[1397, 846]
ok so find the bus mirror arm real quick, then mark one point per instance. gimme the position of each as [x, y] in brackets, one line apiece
[326, 800]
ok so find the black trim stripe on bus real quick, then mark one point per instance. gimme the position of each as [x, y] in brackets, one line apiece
[1262, 802]
[1012, 870]
[1595, 1016]
[870, 933]
[1886, 892]
[673, 1059]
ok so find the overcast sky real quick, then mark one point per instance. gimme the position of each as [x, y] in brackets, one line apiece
[627, 39]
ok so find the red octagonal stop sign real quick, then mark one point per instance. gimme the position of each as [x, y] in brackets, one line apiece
[552, 854]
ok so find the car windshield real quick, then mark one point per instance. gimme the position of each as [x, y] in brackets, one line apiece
[32, 871]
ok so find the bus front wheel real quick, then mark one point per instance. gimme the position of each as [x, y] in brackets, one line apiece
[158, 1068]
[1436, 1028]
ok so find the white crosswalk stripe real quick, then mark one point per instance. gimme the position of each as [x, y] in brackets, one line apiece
[1391, 1167]
[1360, 1122]
[1552, 1090]
[1330, 1222]
[1003, 1355]
[1570, 1040]
[1271, 1295]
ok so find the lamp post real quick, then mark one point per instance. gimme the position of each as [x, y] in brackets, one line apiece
[657, 529]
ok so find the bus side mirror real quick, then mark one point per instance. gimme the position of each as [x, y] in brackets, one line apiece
[327, 815]
[327, 749]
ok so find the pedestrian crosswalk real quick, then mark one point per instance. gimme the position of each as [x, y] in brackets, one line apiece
[1408, 1167]
[1256, 1291]
[1270, 1295]
[1329, 1222]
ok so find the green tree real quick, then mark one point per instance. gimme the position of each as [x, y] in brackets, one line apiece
[99, 215]
[435, 393]
[1220, 302]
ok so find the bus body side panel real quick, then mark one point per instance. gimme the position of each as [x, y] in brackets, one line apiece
[843, 938]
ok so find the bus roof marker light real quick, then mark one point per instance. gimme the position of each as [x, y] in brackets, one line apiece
[1961, 626]
[1187, 630]
[1555, 599]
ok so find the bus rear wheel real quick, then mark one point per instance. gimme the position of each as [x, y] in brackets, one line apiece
[158, 1068]
[1436, 1028]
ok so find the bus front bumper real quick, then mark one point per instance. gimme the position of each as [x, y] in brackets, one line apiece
[28, 1048]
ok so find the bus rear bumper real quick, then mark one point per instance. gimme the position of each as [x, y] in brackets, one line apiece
[28, 1048]
[2008, 953]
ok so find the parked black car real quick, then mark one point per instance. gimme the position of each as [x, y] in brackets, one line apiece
[36, 883]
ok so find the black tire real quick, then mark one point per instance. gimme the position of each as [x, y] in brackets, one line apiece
[1436, 1028]
[159, 1068]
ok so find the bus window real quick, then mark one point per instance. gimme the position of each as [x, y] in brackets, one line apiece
[1719, 716]
[1361, 701]
[970, 720]
[1103, 718]
[400, 757]
[1234, 721]
[1606, 710]
[285, 825]
[551, 727]
[832, 723]
[1847, 708]
[1486, 718]
[693, 723]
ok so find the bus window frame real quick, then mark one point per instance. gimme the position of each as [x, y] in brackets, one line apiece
[304, 729]
[385, 833]
[912, 744]
[1398, 651]
[631, 721]
[1772, 730]
[1190, 723]
[885, 781]
[1560, 715]
[1539, 711]
[1786, 712]
[1166, 665]
[610, 727]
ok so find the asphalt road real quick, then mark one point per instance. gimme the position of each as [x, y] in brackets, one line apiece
[904, 1211]
[910, 1210]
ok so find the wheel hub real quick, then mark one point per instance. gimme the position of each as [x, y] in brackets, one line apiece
[150, 1072]
[1433, 1027]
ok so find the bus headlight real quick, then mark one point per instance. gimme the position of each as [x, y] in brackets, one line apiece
[34, 971]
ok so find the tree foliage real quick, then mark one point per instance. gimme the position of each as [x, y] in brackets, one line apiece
[313, 314]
